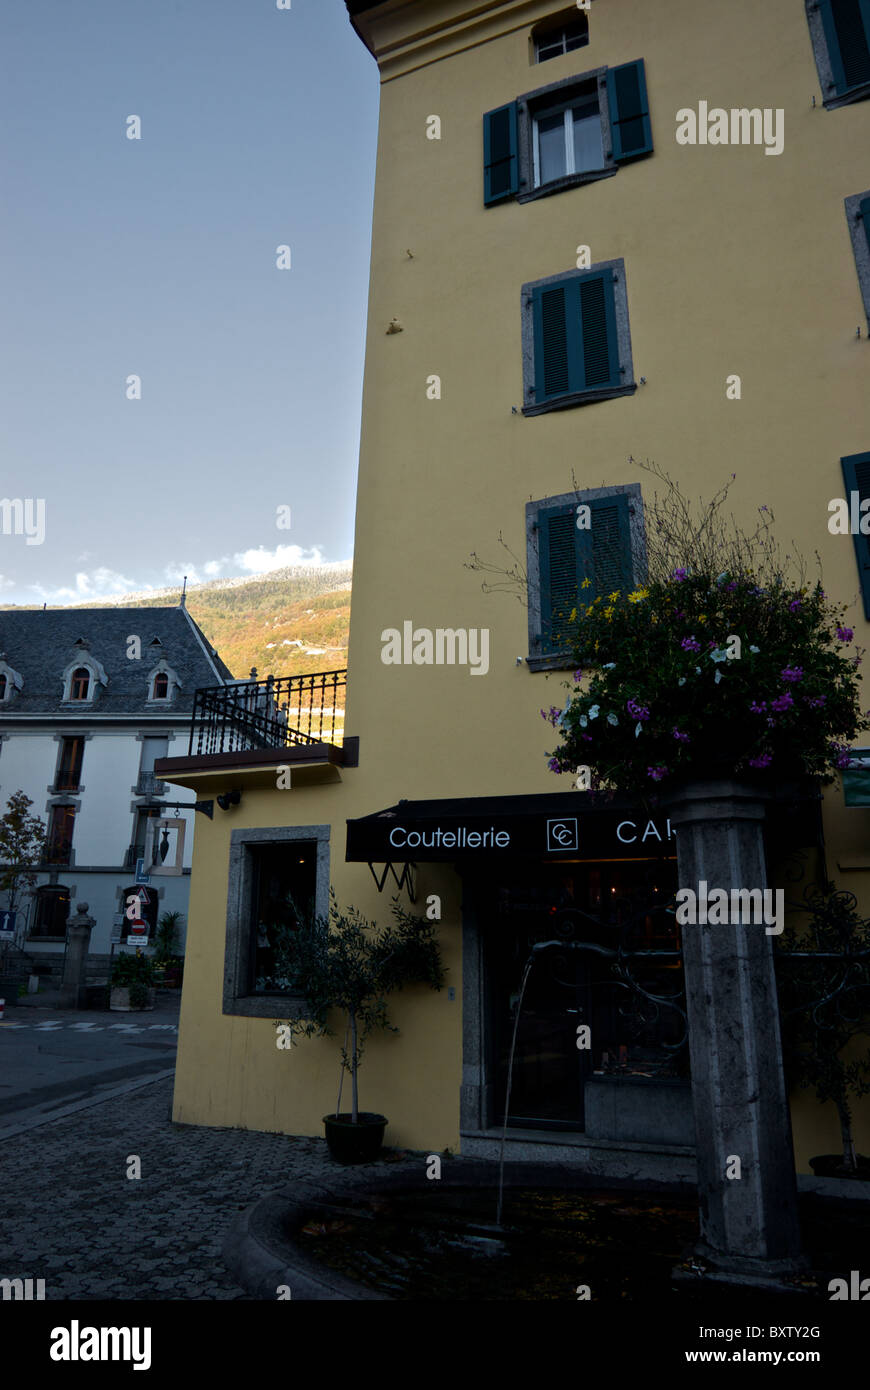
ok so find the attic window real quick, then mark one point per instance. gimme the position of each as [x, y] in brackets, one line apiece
[161, 686]
[556, 38]
[81, 679]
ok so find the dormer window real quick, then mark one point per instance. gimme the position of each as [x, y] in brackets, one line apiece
[163, 683]
[10, 681]
[80, 683]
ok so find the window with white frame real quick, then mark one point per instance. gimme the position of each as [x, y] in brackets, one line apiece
[567, 139]
[553, 42]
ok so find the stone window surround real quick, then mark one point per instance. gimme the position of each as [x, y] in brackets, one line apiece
[238, 926]
[623, 342]
[14, 681]
[98, 677]
[536, 661]
[162, 667]
[53, 790]
[529, 105]
[860, 246]
[830, 99]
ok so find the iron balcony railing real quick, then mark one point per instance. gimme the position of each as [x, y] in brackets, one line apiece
[271, 713]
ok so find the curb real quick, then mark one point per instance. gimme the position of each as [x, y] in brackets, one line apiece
[78, 1105]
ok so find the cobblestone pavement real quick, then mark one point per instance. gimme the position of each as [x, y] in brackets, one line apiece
[70, 1215]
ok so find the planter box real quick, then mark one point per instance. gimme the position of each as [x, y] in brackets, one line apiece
[640, 1109]
[119, 1001]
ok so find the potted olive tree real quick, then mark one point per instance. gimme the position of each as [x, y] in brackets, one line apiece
[824, 989]
[131, 984]
[341, 961]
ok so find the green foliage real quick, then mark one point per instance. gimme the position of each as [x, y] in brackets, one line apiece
[823, 972]
[341, 961]
[135, 973]
[723, 661]
[164, 937]
[22, 847]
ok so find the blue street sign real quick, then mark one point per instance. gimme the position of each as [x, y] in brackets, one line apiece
[7, 925]
[141, 876]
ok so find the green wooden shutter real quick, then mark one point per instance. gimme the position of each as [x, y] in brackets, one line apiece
[600, 348]
[864, 210]
[556, 319]
[611, 545]
[847, 33]
[856, 472]
[565, 557]
[501, 178]
[630, 128]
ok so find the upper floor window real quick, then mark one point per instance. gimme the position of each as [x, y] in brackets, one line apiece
[52, 910]
[840, 35]
[571, 132]
[568, 138]
[60, 833]
[160, 689]
[80, 683]
[553, 38]
[858, 218]
[69, 767]
[575, 338]
[567, 562]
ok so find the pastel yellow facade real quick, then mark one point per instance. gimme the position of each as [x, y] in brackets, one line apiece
[736, 262]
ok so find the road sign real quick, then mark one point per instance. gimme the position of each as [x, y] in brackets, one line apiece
[141, 876]
[7, 926]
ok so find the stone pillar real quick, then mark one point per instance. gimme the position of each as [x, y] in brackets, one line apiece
[749, 1224]
[78, 931]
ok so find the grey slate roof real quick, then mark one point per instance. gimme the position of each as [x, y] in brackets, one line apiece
[39, 645]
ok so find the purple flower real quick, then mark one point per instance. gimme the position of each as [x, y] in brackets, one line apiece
[782, 702]
[587, 737]
[679, 613]
[657, 773]
[763, 760]
[578, 676]
[792, 673]
[816, 702]
[729, 588]
[681, 738]
[771, 723]
[553, 765]
[794, 605]
[636, 711]
[679, 575]
[689, 644]
[845, 634]
[758, 707]
[553, 716]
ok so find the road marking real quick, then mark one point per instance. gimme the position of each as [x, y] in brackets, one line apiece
[88, 1027]
[44, 1027]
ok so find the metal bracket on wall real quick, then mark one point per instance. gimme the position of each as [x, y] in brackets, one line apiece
[207, 807]
[406, 879]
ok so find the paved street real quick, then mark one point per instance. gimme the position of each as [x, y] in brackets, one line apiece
[52, 1058]
[68, 1212]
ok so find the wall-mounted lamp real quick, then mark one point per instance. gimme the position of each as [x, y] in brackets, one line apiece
[228, 799]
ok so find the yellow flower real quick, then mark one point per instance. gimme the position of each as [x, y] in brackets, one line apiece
[653, 618]
[586, 584]
[702, 618]
[608, 613]
[614, 596]
[573, 615]
[597, 644]
[637, 595]
[589, 612]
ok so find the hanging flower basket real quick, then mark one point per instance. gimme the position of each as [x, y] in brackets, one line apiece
[694, 676]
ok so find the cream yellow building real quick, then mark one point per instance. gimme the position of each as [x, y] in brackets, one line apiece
[560, 280]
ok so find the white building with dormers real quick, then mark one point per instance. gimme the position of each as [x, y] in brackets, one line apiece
[89, 699]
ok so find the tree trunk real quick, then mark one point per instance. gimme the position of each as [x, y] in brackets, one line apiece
[849, 1157]
[354, 1109]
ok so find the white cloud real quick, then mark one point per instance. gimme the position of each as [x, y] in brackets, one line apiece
[100, 583]
[261, 560]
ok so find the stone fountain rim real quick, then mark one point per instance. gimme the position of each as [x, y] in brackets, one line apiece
[260, 1256]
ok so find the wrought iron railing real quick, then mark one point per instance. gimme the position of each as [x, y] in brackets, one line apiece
[272, 713]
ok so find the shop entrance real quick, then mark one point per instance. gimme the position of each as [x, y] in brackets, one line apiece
[615, 968]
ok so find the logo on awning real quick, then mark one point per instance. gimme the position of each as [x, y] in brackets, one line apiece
[562, 834]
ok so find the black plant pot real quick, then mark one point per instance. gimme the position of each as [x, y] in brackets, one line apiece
[831, 1166]
[355, 1143]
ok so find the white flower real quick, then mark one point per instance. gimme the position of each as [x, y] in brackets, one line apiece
[718, 654]
[583, 721]
[697, 670]
[612, 719]
[718, 677]
[637, 728]
[754, 649]
[609, 666]
[682, 680]
[594, 711]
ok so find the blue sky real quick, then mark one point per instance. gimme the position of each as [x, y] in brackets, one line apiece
[157, 257]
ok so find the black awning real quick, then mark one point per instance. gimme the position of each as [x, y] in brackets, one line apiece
[563, 825]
